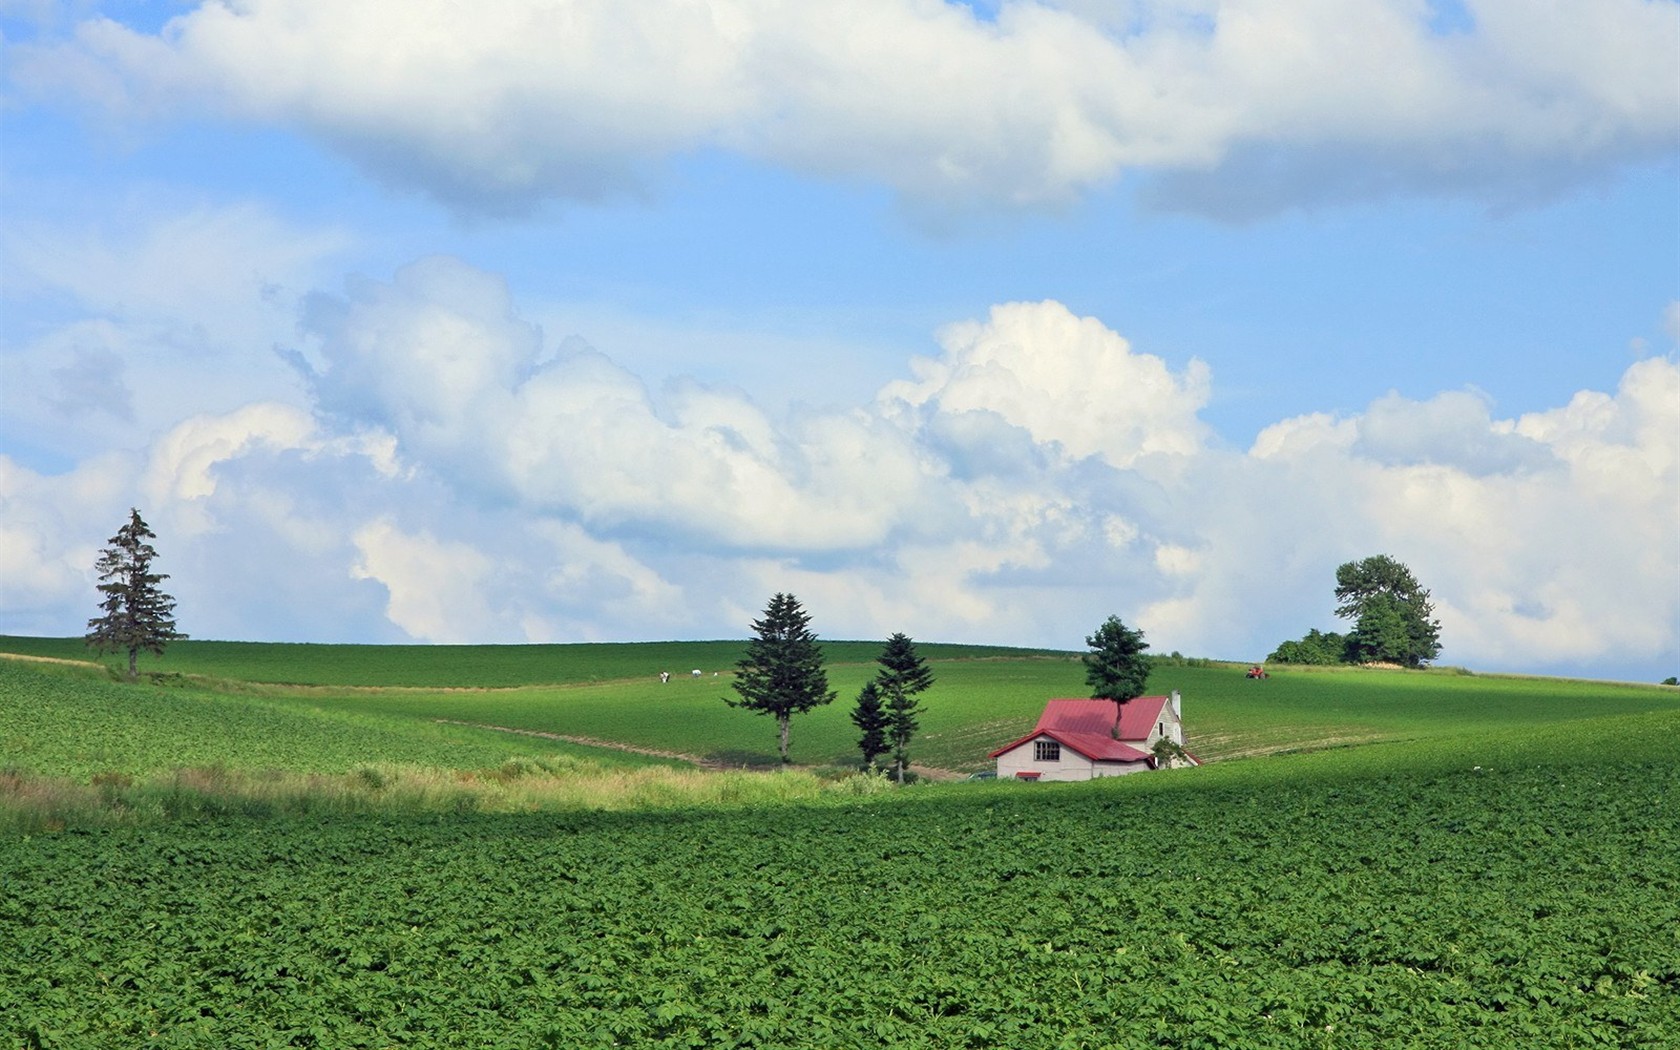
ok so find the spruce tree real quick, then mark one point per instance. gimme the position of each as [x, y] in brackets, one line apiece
[782, 673]
[903, 675]
[873, 722]
[138, 615]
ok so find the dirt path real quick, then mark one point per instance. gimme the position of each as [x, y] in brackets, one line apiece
[925, 772]
[587, 741]
[51, 660]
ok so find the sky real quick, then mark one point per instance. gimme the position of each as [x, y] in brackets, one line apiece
[576, 320]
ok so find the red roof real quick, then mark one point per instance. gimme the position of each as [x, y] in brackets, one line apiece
[1087, 726]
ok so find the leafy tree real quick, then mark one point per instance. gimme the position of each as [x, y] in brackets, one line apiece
[1116, 668]
[1381, 635]
[903, 675]
[782, 673]
[1391, 610]
[138, 615]
[1169, 753]
[1317, 647]
[873, 721]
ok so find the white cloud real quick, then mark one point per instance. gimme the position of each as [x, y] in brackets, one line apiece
[1249, 105]
[437, 589]
[1453, 429]
[182, 461]
[47, 549]
[142, 312]
[1302, 436]
[153, 260]
[460, 481]
[1562, 556]
[1062, 379]
[440, 360]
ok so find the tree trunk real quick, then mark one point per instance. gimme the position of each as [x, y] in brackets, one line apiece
[782, 730]
[133, 664]
[900, 764]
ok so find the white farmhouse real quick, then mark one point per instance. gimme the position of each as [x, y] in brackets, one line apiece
[1076, 739]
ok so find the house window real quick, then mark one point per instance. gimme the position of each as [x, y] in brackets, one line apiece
[1160, 729]
[1046, 751]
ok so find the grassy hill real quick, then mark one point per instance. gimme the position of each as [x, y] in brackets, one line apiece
[460, 666]
[982, 697]
[277, 846]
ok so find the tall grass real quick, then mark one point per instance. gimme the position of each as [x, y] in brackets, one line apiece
[527, 784]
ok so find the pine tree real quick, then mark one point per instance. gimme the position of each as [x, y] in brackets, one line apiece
[873, 722]
[1116, 668]
[782, 673]
[903, 675]
[137, 614]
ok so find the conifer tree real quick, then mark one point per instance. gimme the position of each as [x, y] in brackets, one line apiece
[138, 615]
[782, 673]
[873, 722]
[903, 675]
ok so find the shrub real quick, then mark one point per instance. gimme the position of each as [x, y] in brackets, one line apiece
[1317, 647]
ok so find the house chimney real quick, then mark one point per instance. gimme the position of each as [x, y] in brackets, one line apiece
[1178, 712]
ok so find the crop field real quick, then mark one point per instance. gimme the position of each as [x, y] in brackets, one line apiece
[1535, 904]
[1376, 859]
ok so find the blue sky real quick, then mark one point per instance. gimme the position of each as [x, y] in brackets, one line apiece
[533, 321]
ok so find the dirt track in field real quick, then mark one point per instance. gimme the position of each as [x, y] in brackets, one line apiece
[925, 772]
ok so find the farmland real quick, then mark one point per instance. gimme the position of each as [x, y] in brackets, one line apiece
[1411, 860]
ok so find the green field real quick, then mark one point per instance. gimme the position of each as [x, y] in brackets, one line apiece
[982, 698]
[1371, 859]
[459, 666]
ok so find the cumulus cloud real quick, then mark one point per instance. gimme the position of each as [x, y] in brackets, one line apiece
[1241, 107]
[47, 547]
[439, 359]
[437, 589]
[1063, 380]
[1554, 551]
[1452, 429]
[455, 476]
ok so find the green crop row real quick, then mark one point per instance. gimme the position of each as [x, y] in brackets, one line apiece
[1525, 903]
